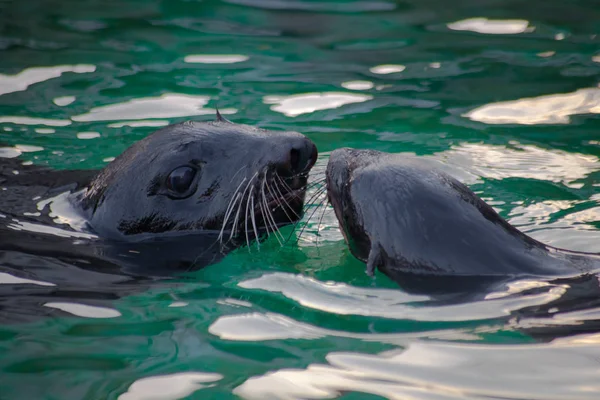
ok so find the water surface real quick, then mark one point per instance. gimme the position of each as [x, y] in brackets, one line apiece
[505, 94]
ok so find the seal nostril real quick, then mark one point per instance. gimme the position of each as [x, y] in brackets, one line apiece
[295, 160]
[300, 159]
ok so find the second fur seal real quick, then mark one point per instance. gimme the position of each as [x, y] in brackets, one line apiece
[416, 224]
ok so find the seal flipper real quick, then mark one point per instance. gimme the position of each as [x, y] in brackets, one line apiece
[374, 259]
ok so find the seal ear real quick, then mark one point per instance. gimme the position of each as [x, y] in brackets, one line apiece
[220, 118]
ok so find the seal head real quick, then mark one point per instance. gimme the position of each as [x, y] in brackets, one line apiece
[200, 176]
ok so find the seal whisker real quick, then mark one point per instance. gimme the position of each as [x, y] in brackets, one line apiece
[227, 215]
[264, 206]
[282, 197]
[316, 195]
[315, 183]
[254, 223]
[274, 227]
[306, 223]
[235, 222]
[246, 220]
[238, 171]
[261, 204]
[324, 204]
[236, 219]
[291, 192]
[268, 216]
[230, 208]
[193, 263]
[287, 187]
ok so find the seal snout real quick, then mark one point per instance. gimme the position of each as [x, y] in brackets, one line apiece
[300, 159]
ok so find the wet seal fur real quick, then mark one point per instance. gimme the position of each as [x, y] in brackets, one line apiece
[179, 199]
[429, 232]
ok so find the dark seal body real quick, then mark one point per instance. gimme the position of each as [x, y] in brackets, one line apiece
[179, 199]
[428, 231]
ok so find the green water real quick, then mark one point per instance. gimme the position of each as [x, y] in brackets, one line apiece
[509, 104]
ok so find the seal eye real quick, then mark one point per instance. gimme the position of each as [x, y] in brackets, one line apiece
[180, 180]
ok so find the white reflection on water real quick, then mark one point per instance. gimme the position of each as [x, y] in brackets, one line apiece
[270, 326]
[9, 279]
[29, 76]
[342, 299]
[83, 310]
[387, 69]
[27, 148]
[88, 135]
[169, 387]
[546, 54]
[215, 58]
[9, 152]
[169, 105]
[44, 131]
[20, 120]
[63, 100]
[538, 213]
[519, 161]
[545, 222]
[142, 123]
[547, 109]
[62, 212]
[358, 85]
[490, 26]
[433, 370]
[298, 104]
[50, 230]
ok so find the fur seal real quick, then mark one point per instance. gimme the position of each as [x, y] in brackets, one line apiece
[427, 231]
[184, 178]
[179, 199]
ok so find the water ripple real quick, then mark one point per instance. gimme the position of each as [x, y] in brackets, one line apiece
[168, 105]
[83, 310]
[22, 80]
[347, 7]
[270, 326]
[429, 370]
[169, 387]
[492, 27]
[520, 160]
[298, 104]
[547, 109]
[342, 299]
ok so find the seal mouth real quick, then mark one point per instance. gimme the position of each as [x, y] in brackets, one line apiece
[263, 204]
[274, 196]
